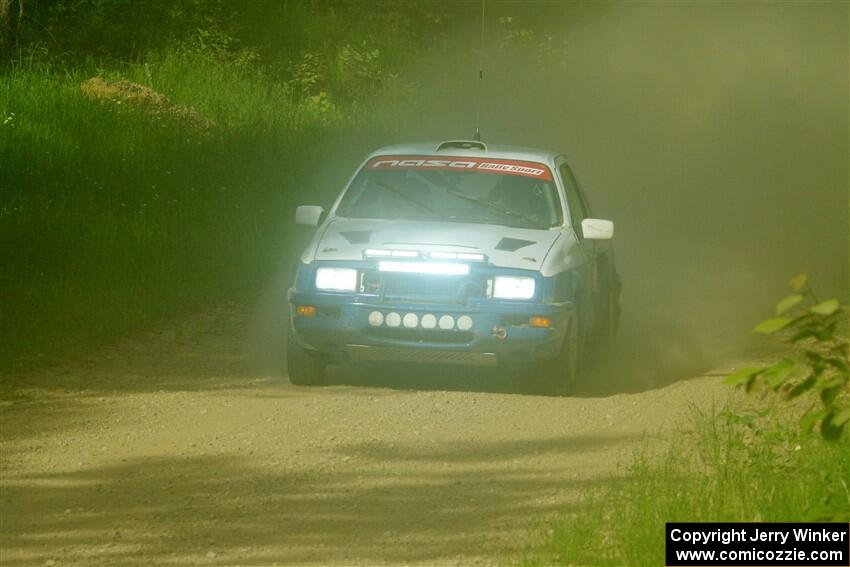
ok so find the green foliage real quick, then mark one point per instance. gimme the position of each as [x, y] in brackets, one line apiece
[821, 365]
[359, 70]
[117, 30]
[112, 217]
[308, 75]
[737, 465]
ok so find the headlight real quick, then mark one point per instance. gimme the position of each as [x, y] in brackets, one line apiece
[508, 287]
[336, 279]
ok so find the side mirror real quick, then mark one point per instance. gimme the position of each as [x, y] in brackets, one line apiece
[597, 229]
[308, 215]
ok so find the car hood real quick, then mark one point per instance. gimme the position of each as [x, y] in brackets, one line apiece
[507, 247]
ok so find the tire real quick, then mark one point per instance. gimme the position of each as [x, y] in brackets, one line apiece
[305, 368]
[562, 372]
[612, 319]
[602, 342]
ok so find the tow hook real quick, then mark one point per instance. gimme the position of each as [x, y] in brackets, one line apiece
[499, 332]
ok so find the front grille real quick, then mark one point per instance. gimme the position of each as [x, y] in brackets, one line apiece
[409, 285]
[433, 288]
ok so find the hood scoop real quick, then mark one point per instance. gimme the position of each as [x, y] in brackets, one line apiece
[513, 244]
[357, 236]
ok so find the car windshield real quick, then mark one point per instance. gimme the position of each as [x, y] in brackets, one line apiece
[472, 190]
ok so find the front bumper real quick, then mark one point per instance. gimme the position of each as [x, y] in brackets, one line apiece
[499, 333]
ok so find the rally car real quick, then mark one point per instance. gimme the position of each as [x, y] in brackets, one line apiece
[456, 252]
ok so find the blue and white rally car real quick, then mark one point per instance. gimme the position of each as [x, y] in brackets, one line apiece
[455, 252]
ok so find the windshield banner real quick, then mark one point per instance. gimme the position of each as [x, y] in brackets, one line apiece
[483, 165]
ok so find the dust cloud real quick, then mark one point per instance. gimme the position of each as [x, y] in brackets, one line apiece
[715, 135]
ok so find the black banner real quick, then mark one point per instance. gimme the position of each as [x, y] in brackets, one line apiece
[764, 544]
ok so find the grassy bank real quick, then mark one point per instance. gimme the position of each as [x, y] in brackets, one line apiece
[735, 466]
[113, 215]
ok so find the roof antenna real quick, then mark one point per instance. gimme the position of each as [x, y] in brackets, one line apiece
[477, 136]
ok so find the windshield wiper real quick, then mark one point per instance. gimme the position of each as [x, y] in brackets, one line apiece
[452, 189]
[406, 197]
[491, 205]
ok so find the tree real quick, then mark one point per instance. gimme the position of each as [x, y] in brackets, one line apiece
[5, 25]
[9, 24]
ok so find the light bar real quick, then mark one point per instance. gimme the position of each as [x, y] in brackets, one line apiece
[375, 253]
[437, 268]
[380, 253]
[456, 256]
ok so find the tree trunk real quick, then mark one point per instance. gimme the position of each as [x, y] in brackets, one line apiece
[5, 26]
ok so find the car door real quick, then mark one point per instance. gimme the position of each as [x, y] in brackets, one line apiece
[579, 210]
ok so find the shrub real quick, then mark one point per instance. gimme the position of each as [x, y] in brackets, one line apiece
[821, 365]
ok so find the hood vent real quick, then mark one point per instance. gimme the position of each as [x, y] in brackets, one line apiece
[357, 236]
[513, 244]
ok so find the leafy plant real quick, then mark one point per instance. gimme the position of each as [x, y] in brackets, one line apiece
[358, 70]
[821, 364]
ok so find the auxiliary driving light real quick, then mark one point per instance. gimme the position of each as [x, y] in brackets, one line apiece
[410, 320]
[376, 318]
[393, 319]
[306, 310]
[447, 322]
[429, 321]
[464, 322]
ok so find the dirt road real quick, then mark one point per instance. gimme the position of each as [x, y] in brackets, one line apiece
[172, 448]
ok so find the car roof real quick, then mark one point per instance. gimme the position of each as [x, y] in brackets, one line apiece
[468, 148]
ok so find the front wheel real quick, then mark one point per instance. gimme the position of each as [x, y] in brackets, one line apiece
[304, 367]
[562, 371]
[612, 319]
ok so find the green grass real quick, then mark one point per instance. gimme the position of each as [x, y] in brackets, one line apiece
[111, 218]
[734, 466]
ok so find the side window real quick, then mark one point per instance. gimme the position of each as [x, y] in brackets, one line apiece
[575, 203]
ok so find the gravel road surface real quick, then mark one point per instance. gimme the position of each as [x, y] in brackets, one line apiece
[176, 448]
